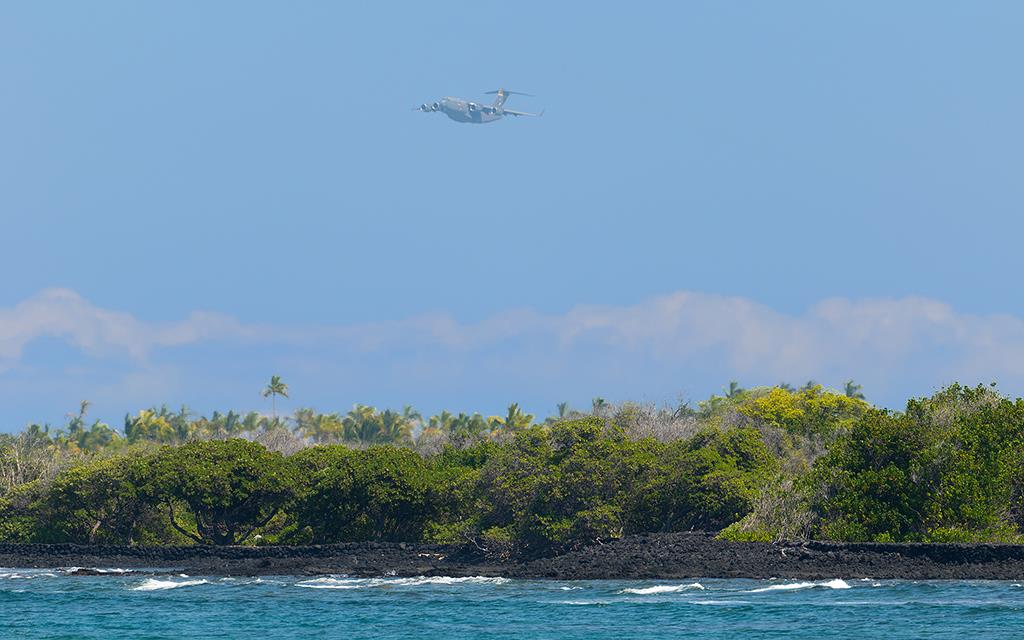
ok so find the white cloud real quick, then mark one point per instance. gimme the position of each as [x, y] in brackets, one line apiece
[63, 314]
[866, 339]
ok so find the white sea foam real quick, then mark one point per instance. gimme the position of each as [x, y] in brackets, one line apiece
[795, 586]
[569, 588]
[331, 583]
[412, 582]
[28, 574]
[365, 583]
[663, 588]
[100, 570]
[152, 584]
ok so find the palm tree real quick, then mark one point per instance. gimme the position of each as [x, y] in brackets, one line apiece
[853, 391]
[514, 420]
[442, 422]
[435, 425]
[77, 421]
[809, 386]
[466, 426]
[361, 425]
[785, 386]
[181, 422]
[563, 413]
[150, 425]
[598, 406]
[304, 418]
[219, 425]
[252, 422]
[319, 427]
[412, 416]
[734, 390]
[394, 427]
[274, 389]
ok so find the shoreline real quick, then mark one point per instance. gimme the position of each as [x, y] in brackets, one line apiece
[649, 556]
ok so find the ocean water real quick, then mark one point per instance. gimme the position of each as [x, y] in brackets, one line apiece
[51, 604]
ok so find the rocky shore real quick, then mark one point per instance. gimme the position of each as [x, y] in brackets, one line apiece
[666, 556]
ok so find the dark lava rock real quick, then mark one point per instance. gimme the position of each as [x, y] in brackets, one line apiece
[667, 556]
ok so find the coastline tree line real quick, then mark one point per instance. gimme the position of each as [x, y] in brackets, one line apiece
[752, 464]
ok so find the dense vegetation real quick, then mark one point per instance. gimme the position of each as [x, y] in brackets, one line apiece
[758, 464]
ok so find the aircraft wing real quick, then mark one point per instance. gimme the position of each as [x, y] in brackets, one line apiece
[509, 112]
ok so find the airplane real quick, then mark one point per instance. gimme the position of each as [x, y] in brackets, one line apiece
[461, 110]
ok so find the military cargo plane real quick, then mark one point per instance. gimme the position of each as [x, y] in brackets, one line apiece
[461, 110]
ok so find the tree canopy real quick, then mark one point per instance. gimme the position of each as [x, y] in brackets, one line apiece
[756, 463]
[230, 487]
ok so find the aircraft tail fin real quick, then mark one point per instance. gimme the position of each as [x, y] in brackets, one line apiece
[503, 94]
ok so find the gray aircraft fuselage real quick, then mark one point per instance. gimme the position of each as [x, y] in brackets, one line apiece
[465, 111]
[461, 110]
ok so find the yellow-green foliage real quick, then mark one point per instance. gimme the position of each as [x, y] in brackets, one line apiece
[737, 533]
[148, 425]
[808, 412]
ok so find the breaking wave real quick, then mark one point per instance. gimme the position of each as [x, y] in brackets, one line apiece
[152, 584]
[97, 570]
[366, 583]
[795, 586]
[25, 575]
[663, 588]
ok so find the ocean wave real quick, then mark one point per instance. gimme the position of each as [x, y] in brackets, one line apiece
[366, 583]
[330, 583]
[152, 584]
[838, 583]
[98, 570]
[232, 581]
[26, 575]
[663, 588]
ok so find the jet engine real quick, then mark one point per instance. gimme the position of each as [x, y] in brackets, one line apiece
[472, 106]
[435, 107]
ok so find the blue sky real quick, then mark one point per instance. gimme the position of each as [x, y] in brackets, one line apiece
[197, 196]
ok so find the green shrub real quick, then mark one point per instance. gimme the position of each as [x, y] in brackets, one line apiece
[230, 488]
[378, 493]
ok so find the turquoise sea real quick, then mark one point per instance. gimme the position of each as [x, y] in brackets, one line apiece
[51, 604]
